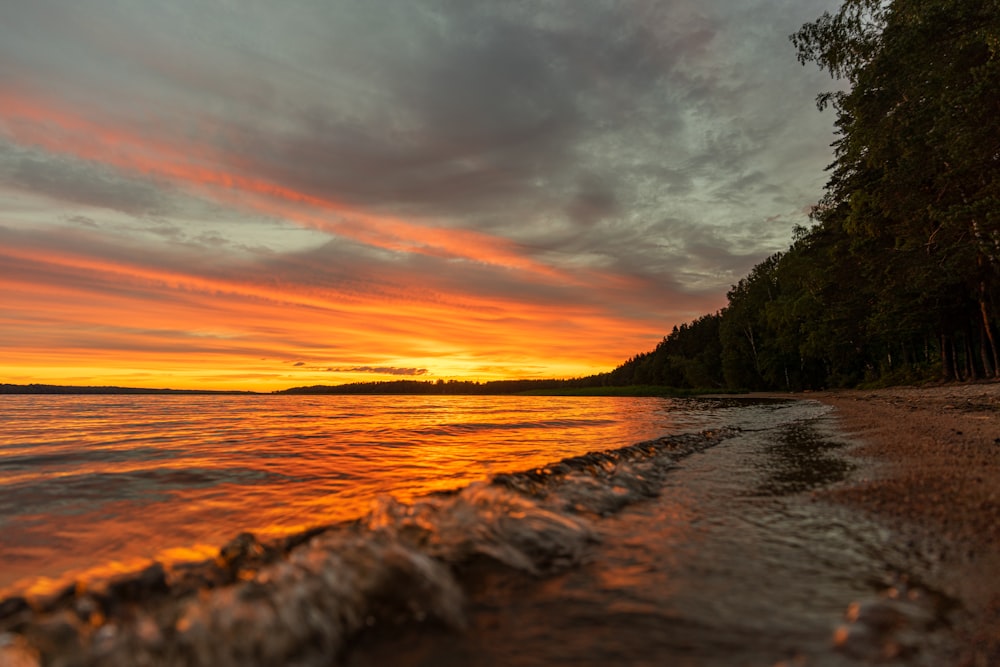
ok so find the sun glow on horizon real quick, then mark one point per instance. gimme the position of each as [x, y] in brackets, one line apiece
[87, 322]
[240, 203]
[96, 310]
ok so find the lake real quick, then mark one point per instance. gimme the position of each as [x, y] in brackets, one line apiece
[110, 481]
[440, 530]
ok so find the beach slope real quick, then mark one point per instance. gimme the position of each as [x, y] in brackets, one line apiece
[932, 469]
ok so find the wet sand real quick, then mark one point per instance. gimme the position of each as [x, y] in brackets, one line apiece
[931, 469]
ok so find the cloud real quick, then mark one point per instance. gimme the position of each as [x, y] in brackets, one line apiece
[456, 179]
[75, 181]
[380, 370]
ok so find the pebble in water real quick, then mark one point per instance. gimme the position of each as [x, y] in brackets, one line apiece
[889, 626]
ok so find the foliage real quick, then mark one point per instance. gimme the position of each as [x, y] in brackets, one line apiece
[914, 189]
[689, 358]
[898, 278]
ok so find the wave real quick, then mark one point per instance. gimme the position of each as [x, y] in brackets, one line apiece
[484, 427]
[300, 600]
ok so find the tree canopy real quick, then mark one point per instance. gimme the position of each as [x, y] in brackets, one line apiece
[898, 278]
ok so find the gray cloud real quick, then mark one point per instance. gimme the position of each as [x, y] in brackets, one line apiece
[668, 144]
[380, 370]
[84, 221]
[79, 182]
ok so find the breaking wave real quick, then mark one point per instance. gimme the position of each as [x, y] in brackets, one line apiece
[300, 600]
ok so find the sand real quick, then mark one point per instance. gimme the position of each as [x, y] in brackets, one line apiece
[930, 467]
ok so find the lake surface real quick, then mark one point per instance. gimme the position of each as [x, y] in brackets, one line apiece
[484, 530]
[109, 481]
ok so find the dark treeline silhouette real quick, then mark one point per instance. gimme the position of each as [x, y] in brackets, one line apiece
[897, 279]
[447, 387]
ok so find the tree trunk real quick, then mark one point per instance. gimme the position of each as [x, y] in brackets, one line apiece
[987, 329]
[949, 371]
[970, 362]
[955, 374]
[989, 370]
[753, 348]
[945, 362]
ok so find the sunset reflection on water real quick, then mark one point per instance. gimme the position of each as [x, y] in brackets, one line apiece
[113, 481]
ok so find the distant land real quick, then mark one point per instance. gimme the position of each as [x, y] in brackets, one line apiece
[435, 387]
[576, 387]
[66, 389]
[595, 385]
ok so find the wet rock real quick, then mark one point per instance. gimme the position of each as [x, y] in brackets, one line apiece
[887, 627]
[241, 547]
[139, 587]
[59, 600]
[60, 638]
[242, 552]
[15, 652]
[13, 606]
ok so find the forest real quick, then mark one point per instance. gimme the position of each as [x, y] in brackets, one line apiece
[896, 279]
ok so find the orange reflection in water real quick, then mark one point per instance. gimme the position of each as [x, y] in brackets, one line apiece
[110, 482]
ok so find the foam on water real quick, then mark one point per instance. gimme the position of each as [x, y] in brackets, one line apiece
[87, 481]
[300, 601]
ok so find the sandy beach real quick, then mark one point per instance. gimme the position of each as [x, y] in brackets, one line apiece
[931, 467]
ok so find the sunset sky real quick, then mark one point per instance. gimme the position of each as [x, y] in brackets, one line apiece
[258, 195]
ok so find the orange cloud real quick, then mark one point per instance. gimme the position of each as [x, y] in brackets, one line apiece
[74, 316]
[33, 122]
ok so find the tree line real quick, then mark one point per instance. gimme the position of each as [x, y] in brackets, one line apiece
[440, 387]
[897, 278]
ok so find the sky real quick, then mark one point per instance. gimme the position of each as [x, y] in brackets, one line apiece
[247, 194]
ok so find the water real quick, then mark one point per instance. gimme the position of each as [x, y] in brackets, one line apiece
[110, 481]
[703, 546]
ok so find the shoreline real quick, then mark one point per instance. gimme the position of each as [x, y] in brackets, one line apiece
[927, 473]
[929, 467]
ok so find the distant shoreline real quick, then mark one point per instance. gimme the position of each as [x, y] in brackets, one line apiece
[392, 388]
[55, 389]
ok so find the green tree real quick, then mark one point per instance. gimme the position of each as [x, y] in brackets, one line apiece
[749, 357]
[917, 163]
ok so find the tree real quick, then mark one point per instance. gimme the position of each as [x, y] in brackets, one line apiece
[917, 165]
[749, 358]
[900, 275]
